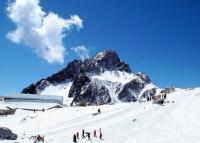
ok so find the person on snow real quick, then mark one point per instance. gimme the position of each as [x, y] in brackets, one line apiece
[83, 133]
[74, 139]
[40, 138]
[95, 133]
[100, 135]
[165, 96]
[77, 135]
[88, 135]
[99, 111]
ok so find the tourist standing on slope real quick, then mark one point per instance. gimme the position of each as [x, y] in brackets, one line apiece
[77, 135]
[95, 133]
[100, 135]
[88, 135]
[83, 133]
[74, 139]
[99, 111]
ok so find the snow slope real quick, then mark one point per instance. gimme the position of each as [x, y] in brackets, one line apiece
[175, 122]
[58, 90]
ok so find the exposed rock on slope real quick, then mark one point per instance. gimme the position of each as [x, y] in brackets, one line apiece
[7, 134]
[149, 92]
[91, 92]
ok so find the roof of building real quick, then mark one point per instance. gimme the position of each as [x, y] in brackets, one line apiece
[31, 96]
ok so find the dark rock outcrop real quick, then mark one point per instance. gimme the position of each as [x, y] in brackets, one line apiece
[131, 90]
[7, 134]
[31, 89]
[168, 90]
[150, 92]
[90, 92]
[80, 82]
[144, 78]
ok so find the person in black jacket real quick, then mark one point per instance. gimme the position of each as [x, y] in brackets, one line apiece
[99, 111]
[88, 135]
[77, 135]
[74, 139]
[83, 133]
[100, 134]
[95, 133]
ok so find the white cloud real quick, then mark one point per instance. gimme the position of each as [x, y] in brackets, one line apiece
[39, 30]
[81, 51]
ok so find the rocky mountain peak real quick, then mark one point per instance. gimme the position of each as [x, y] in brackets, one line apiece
[106, 60]
[103, 79]
[107, 55]
[111, 61]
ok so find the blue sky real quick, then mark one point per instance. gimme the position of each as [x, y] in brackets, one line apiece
[159, 38]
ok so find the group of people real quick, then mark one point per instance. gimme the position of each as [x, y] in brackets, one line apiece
[37, 139]
[87, 135]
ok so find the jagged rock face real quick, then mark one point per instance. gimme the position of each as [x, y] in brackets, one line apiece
[107, 60]
[7, 134]
[131, 90]
[168, 90]
[150, 92]
[31, 89]
[72, 69]
[91, 92]
[145, 79]
[80, 82]
[110, 60]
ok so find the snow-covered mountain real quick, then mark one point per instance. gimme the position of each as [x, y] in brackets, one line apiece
[103, 79]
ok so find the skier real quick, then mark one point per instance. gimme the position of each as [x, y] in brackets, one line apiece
[83, 133]
[74, 139]
[95, 133]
